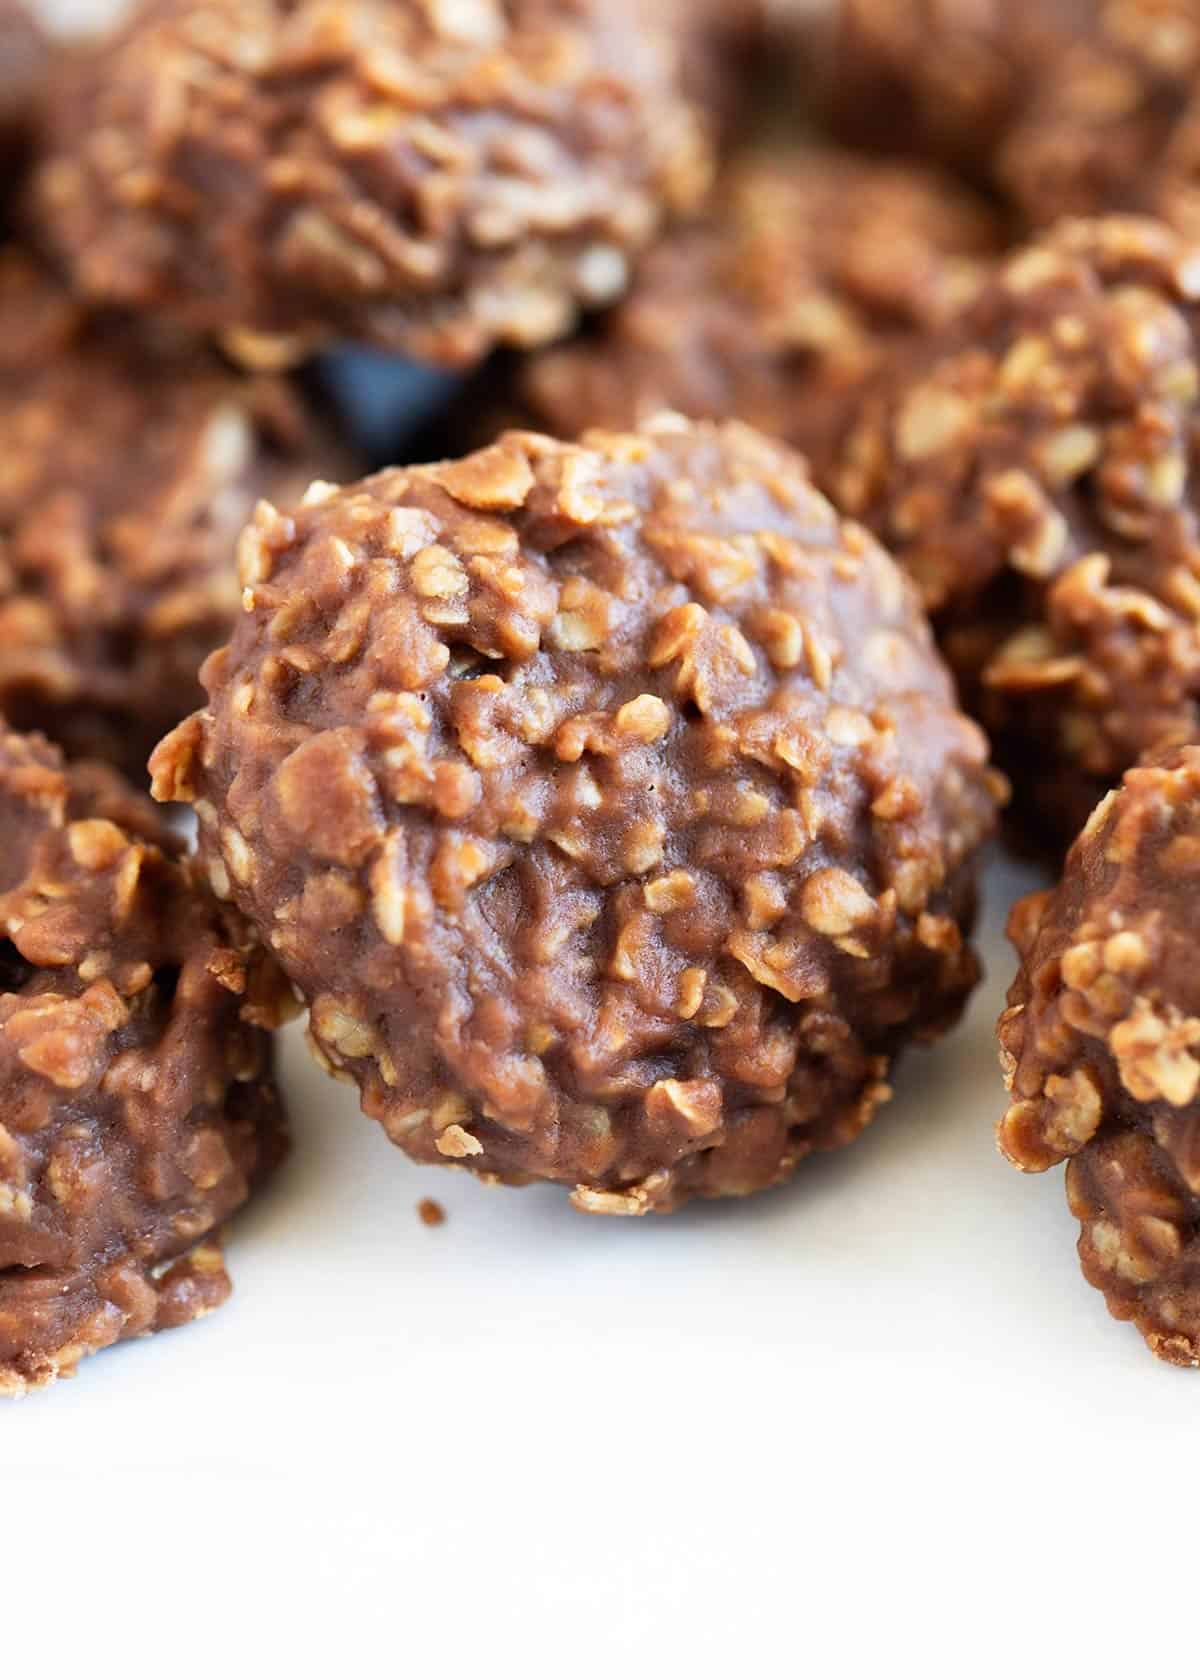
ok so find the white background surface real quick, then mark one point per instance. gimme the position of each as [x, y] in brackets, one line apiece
[870, 1421]
[872, 1424]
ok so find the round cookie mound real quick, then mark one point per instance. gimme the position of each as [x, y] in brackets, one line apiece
[137, 1108]
[1033, 469]
[434, 177]
[1105, 129]
[1101, 1047]
[942, 78]
[23, 54]
[607, 803]
[127, 467]
[722, 44]
[811, 263]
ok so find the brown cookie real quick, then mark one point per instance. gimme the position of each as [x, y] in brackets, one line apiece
[1104, 126]
[1101, 1047]
[809, 265]
[1033, 467]
[945, 79]
[433, 178]
[607, 803]
[137, 1107]
[23, 56]
[128, 463]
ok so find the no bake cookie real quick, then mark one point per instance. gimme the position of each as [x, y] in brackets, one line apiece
[128, 463]
[942, 78]
[1106, 125]
[435, 178]
[808, 266]
[137, 1108]
[23, 55]
[1033, 468]
[607, 803]
[1101, 1047]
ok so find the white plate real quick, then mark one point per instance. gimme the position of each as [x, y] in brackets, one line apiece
[878, 1411]
[872, 1424]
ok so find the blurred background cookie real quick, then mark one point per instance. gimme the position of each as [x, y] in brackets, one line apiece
[1100, 1048]
[1032, 466]
[435, 179]
[129, 461]
[809, 264]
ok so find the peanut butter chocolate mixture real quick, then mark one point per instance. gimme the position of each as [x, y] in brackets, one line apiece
[127, 465]
[137, 1109]
[1034, 469]
[432, 176]
[1101, 1047]
[607, 803]
[810, 264]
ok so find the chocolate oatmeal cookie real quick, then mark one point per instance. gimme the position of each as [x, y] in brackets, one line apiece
[721, 45]
[23, 54]
[1104, 127]
[1070, 107]
[810, 264]
[433, 178]
[942, 78]
[127, 466]
[137, 1108]
[1034, 469]
[1101, 1047]
[607, 803]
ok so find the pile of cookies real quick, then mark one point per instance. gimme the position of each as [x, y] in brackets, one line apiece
[611, 793]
